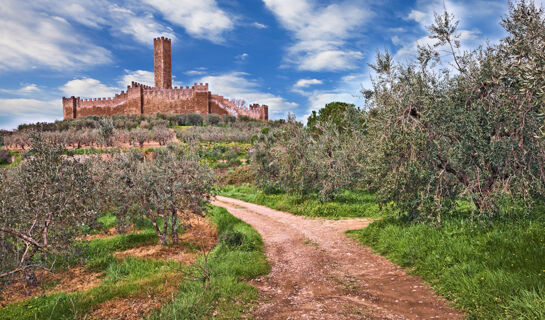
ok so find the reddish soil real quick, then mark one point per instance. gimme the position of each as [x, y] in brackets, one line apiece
[71, 280]
[317, 272]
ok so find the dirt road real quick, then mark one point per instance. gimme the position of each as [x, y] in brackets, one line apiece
[317, 272]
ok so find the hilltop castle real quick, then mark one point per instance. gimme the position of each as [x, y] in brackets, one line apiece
[142, 99]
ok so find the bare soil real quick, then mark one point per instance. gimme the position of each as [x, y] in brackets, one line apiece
[317, 272]
[138, 306]
[69, 281]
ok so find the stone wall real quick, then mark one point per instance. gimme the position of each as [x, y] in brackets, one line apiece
[142, 99]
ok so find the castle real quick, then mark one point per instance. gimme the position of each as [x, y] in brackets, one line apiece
[142, 99]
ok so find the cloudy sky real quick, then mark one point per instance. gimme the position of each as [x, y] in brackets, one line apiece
[293, 55]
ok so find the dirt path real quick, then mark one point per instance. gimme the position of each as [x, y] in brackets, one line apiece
[319, 273]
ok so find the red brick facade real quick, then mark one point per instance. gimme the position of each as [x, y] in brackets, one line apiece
[142, 99]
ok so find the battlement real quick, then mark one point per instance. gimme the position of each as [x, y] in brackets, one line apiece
[162, 98]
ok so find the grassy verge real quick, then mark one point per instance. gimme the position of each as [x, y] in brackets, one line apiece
[495, 272]
[238, 256]
[355, 203]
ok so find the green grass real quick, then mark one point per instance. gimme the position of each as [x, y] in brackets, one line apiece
[123, 278]
[238, 256]
[106, 221]
[98, 253]
[16, 160]
[490, 272]
[355, 203]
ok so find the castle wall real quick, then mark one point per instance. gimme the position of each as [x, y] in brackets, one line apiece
[176, 100]
[142, 99]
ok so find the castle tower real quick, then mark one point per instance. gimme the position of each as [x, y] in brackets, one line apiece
[162, 63]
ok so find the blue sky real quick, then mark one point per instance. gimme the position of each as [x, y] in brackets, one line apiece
[293, 55]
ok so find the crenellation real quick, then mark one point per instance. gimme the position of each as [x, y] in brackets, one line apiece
[143, 99]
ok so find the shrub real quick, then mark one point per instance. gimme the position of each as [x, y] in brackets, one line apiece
[194, 119]
[238, 175]
[181, 119]
[5, 157]
[229, 119]
[139, 137]
[212, 119]
[162, 135]
[159, 123]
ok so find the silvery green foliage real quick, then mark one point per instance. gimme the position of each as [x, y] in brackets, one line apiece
[45, 202]
[173, 184]
[162, 135]
[118, 183]
[294, 159]
[139, 136]
[475, 133]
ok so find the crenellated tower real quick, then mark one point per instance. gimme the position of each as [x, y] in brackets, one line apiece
[162, 63]
[163, 98]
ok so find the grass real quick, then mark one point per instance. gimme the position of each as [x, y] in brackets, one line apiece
[490, 272]
[355, 203]
[122, 278]
[238, 256]
[17, 156]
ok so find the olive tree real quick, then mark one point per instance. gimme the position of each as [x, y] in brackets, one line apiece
[139, 137]
[118, 182]
[45, 202]
[162, 135]
[474, 133]
[173, 183]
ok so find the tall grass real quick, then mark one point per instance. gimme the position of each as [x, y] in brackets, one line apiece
[350, 203]
[491, 272]
[238, 256]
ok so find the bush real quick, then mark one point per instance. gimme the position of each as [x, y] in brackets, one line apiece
[238, 175]
[5, 157]
[181, 119]
[194, 119]
[229, 119]
[159, 123]
[162, 135]
[139, 136]
[212, 119]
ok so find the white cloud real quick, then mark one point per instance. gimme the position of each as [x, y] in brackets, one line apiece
[88, 87]
[25, 90]
[140, 76]
[417, 16]
[396, 40]
[242, 57]
[32, 38]
[201, 19]
[259, 25]
[195, 72]
[304, 83]
[488, 15]
[143, 27]
[16, 111]
[348, 89]
[321, 33]
[237, 85]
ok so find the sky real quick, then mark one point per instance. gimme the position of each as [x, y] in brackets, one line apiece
[293, 55]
